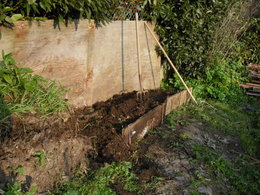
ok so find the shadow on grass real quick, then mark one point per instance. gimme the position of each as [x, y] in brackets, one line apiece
[5, 121]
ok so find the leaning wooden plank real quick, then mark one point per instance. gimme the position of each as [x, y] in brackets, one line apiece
[139, 128]
[255, 81]
[253, 94]
[252, 84]
[254, 67]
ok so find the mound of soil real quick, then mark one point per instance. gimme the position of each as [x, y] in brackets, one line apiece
[105, 121]
[89, 134]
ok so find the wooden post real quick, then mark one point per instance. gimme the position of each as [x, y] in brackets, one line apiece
[138, 52]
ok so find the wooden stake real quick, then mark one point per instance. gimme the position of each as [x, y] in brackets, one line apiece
[138, 52]
[171, 63]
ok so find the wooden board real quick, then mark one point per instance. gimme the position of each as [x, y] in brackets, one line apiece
[140, 127]
[93, 63]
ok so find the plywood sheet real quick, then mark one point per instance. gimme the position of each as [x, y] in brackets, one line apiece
[94, 63]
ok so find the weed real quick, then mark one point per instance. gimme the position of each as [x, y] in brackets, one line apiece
[243, 176]
[41, 158]
[23, 92]
[15, 187]
[175, 144]
[98, 182]
[154, 184]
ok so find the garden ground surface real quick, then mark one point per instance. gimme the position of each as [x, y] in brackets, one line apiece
[199, 149]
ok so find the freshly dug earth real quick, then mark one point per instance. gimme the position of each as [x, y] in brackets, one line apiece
[52, 148]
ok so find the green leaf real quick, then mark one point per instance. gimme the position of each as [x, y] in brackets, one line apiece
[8, 78]
[16, 17]
[30, 2]
[30, 86]
[20, 170]
[8, 19]
[7, 9]
[25, 70]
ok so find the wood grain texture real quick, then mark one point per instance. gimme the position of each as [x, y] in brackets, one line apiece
[93, 62]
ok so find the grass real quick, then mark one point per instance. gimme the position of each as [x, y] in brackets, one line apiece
[23, 92]
[236, 120]
[100, 181]
[241, 174]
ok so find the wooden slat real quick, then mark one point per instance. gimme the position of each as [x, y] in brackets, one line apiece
[254, 67]
[253, 94]
[153, 118]
[252, 84]
[255, 81]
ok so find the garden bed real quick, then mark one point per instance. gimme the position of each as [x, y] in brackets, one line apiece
[53, 148]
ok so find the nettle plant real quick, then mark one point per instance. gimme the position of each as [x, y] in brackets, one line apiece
[21, 91]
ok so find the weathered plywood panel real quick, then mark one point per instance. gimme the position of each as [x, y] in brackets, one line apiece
[139, 128]
[94, 63]
[58, 54]
[115, 60]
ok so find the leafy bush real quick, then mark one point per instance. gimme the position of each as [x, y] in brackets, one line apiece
[248, 46]
[60, 10]
[186, 29]
[195, 32]
[21, 91]
[220, 81]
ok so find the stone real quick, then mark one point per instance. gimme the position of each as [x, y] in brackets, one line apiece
[205, 190]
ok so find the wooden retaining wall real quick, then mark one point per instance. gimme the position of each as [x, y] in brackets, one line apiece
[154, 118]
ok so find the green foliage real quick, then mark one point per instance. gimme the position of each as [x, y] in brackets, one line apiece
[248, 46]
[229, 119]
[244, 177]
[60, 10]
[186, 29]
[41, 157]
[194, 33]
[220, 81]
[21, 91]
[99, 182]
[15, 188]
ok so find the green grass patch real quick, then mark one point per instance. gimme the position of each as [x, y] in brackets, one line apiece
[21, 91]
[239, 120]
[243, 175]
[99, 182]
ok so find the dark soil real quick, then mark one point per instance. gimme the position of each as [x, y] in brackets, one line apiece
[94, 132]
[105, 121]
